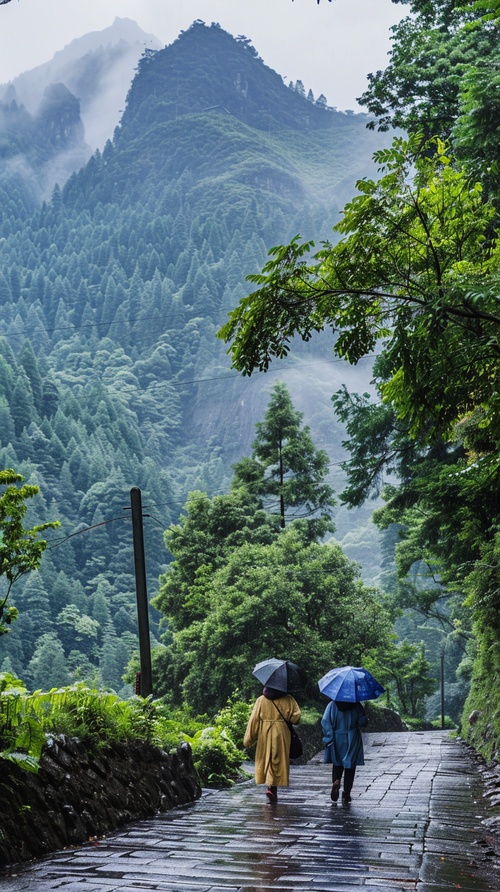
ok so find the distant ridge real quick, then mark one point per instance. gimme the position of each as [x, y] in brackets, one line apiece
[97, 68]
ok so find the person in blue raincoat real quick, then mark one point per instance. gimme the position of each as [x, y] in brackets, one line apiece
[341, 724]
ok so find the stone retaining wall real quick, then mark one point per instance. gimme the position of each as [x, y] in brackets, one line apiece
[79, 794]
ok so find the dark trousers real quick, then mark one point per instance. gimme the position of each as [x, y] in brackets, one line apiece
[338, 771]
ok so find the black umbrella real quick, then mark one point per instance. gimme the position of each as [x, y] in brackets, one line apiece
[282, 675]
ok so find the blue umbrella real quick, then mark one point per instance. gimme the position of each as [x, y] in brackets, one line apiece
[282, 675]
[350, 684]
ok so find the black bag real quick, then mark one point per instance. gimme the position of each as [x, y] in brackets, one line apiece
[296, 748]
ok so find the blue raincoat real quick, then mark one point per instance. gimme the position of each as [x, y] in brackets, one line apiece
[342, 735]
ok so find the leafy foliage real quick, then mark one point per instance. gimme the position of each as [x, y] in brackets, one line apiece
[21, 735]
[413, 267]
[20, 549]
[441, 81]
[433, 48]
[408, 669]
[97, 719]
[215, 758]
[93, 716]
[201, 543]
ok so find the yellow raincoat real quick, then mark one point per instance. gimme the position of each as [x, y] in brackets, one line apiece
[265, 725]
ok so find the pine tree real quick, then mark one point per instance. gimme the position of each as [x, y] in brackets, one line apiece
[5, 291]
[47, 668]
[287, 468]
[22, 405]
[29, 363]
[108, 662]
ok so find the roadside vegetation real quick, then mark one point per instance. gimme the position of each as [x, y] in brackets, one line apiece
[411, 274]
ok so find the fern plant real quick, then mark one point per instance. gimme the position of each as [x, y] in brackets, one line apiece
[21, 734]
[95, 717]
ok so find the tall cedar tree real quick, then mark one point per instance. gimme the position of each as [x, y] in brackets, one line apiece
[287, 469]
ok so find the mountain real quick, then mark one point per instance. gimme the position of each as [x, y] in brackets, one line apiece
[97, 69]
[53, 117]
[111, 294]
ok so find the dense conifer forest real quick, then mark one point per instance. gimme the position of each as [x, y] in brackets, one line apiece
[115, 296]
[111, 294]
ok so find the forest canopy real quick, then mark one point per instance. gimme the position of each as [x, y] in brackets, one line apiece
[413, 276]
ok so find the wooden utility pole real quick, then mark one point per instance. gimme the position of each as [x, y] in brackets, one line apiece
[145, 682]
[442, 691]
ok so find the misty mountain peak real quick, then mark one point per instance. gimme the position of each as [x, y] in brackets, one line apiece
[97, 68]
[207, 68]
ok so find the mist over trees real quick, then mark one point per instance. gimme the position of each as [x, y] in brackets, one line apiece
[416, 270]
[111, 294]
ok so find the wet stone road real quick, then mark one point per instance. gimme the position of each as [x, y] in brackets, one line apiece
[414, 824]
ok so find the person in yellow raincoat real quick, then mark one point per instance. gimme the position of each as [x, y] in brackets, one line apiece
[269, 730]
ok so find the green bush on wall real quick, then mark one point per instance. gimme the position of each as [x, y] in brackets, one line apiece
[216, 758]
[100, 717]
[217, 753]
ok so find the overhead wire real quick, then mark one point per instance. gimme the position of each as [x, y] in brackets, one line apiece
[56, 541]
[236, 377]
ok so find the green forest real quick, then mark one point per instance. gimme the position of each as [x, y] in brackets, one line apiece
[416, 270]
[111, 295]
[115, 297]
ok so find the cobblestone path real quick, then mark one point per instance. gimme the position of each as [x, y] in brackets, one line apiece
[414, 824]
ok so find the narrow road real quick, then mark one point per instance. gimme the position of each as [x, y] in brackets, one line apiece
[414, 824]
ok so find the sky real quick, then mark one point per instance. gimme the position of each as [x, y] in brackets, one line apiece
[330, 47]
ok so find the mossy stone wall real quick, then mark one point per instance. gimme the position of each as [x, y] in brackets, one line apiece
[81, 793]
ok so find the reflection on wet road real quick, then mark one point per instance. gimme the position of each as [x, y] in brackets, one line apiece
[413, 824]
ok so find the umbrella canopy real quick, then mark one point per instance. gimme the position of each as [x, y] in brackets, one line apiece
[350, 684]
[282, 675]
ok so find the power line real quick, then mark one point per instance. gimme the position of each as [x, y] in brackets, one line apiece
[73, 327]
[59, 541]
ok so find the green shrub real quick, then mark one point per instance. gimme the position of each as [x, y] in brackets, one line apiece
[216, 758]
[415, 724]
[21, 734]
[233, 719]
[448, 723]
[99, 717]
[94, 716]
[310, 715]
[171, 725]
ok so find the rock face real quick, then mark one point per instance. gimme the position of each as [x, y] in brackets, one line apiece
[79, 794]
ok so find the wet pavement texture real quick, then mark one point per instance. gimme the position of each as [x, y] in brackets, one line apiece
[414, 823]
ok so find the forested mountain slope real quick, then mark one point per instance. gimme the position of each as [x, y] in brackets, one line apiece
[110, 296]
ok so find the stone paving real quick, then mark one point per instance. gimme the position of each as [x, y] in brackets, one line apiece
[414, 823]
